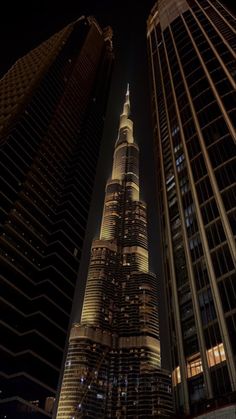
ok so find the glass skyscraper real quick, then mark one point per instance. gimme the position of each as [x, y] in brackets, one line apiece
[52, 111]
[191, 46]
[113, 366]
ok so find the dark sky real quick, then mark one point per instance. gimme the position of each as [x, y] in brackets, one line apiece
[25, 24]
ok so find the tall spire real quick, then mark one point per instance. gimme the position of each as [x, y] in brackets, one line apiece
[125, 173]
[126, 107]
[125, 133]
[126, 160]
[127, 102]
[119, 323]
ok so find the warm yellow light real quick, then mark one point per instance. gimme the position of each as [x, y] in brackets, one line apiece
[194, 366]
[176, 376]
[216, 355]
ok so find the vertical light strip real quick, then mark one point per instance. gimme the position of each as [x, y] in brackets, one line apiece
[212, 45]
[227, 12]
[218, 99]
[212, 278]
[221, 16]
[224, 218]
[179, 335]
[194, 294]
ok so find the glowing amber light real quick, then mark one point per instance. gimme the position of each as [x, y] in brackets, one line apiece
[216, 355]
[194, 366]
[176, 376]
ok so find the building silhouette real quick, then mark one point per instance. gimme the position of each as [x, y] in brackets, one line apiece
[52, 110]
[113, 366]
[191, 48]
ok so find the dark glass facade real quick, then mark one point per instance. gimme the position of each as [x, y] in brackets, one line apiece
[113, 367]
[193, 71]
[52, 109]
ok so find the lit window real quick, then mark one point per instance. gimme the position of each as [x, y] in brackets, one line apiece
[176, 376]
[169, 178]
[175, 130]
[177, 147]
[179, 159]
[194, 366]
[216, 355]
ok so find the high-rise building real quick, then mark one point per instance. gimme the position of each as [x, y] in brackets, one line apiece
[191, 47]
[52, 109]
[113, 363]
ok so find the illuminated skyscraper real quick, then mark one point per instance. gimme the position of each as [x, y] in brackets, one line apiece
[52, 110]
[113, 364]
[192, 63]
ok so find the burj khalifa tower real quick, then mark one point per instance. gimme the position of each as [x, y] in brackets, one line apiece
[113, 365]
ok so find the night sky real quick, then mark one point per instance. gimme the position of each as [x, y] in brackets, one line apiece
[26, 25]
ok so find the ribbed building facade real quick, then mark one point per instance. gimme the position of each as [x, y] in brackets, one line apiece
[113, 367]
[191, 48]
[52, 109]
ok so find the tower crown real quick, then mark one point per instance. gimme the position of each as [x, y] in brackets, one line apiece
[125, 134]
[126, 153]
[126, 108]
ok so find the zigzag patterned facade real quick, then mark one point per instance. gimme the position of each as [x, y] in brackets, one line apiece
[51, 120]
